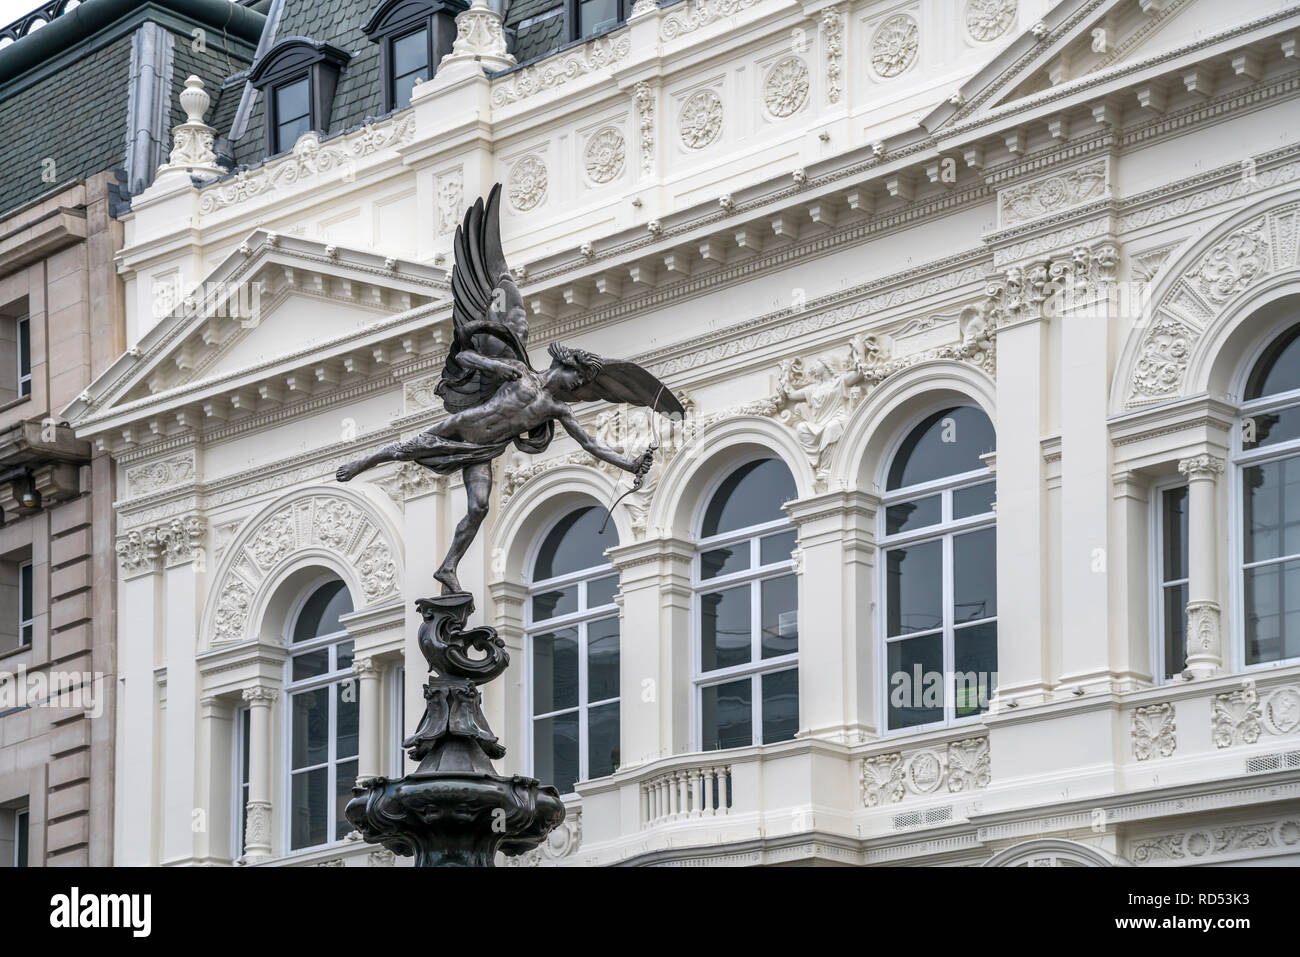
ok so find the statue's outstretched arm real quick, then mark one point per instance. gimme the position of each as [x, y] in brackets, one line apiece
[501, 368]
[637, 466]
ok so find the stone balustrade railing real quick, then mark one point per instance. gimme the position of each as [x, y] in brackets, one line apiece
[684, 793]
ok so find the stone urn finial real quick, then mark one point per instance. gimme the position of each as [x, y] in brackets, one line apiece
[192, 140]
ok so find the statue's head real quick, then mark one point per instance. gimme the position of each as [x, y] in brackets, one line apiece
[822, 370]
[576, 365]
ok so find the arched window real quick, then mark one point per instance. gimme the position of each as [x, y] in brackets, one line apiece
[940, 572]
[573, 652]
[323, 711]
[1267, 456]
[747, 611]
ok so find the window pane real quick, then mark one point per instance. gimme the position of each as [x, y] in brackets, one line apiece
[946, 443]
[915, 681]
[975, 661]
[776, 548]
[246, 724]
[1270, 428]
[974, 500]
[602, 659]
[918, 513]
[309, 808]
[914, 588]
[348, 705]
[311, 665]
[22, 838]
[404, 88]
[780, 606]
[1271, 507]
[320, 613]
[1175, 637]
[593, 13]
[555, 671]
[343, 656]
[727, 715]
[574, 544]
[1173, 520]
[1278, 369]
[601, 591]
[25, 349]
[602, 740]
[291, 101]
[344, 779]
[1272, 612]
[751, 495]
[556, 602]
[780, 705]
[287, 133]
[555, 747]
[975, 575]
[25, 586]
[725, 635]
[311, 727]
[724, 561]
[411, 53]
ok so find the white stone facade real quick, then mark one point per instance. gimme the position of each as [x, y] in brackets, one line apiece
[929, 195]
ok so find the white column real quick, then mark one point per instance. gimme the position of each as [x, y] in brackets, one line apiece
[1204, 644]
[257, 827]
[369, 731]
[835, 560]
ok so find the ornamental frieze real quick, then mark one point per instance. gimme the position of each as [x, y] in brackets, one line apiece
[162, 474]
[700, 13]
[1203, 843]
[1053, 194]
[559, 70]
[960, 766]
[150, 549]
[1154, 731]
[1245, 715]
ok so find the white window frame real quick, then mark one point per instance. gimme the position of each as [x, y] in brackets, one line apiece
[579, 619]
[943, 531]
[1159, 584]
[331, 678]
[757, 666]
[26, 623]
[23, 333]
[1240, 460]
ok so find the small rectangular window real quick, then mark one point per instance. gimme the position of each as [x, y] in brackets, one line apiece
[410, 65]
[1172, 611]
[243, 730]
[21, 823]
[292, 113]
[25, 607]
[24, 356]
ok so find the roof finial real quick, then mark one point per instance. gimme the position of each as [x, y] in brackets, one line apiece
[192, 140]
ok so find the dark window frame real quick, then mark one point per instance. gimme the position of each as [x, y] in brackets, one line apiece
[290, 61]
[573, 29]
[396, 19]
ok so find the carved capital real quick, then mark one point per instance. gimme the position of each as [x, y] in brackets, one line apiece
[1201, 466]
[137, 552]
[181, 539]
[365, 668]
[260, 695]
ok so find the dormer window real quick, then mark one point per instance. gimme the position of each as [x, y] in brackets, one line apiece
[413, 37]
[297, 77]
[588, 17]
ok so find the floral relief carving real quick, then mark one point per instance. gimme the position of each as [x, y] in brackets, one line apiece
[969, 767]
[644, 98]
[559, 70]
[562, 842]
[333, 522]
[1165, 354]
[1204, 843]
[1052, 194]
[924, 772]
[700, 121]
[274, 539]
[882, 779]
[377, 570]
[817, 396]
[1235, 717]
[605, 155]
[165, 473]
[137, 551]
[1233, 264]
[1153, 731]
[527, 183]
[700, 13]
[833, 34]
[232, 610]
[989, 19]
[893, 47]
[786, 87]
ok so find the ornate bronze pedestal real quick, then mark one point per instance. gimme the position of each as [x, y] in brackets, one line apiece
[454, 810]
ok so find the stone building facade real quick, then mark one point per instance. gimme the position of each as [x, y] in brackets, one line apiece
[977, 544]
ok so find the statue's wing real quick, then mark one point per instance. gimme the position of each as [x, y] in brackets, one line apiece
[483, 296]
[621, 381]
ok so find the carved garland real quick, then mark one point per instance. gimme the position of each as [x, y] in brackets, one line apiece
[889, 778]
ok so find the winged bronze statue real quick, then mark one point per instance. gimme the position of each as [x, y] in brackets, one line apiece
[494, 396]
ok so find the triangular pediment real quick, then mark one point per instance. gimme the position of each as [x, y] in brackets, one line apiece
[1079, 39]
[275, 303]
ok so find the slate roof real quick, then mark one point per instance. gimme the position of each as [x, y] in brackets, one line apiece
[540, 37]
[76, 118]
